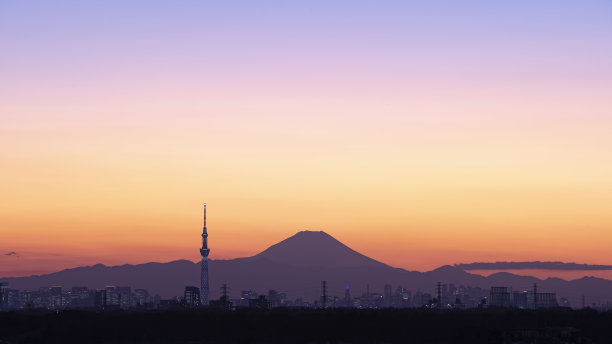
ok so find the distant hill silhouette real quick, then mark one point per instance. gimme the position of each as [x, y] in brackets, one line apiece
[297, 266]
[531, 265]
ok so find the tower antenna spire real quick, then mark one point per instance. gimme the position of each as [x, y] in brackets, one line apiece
[204, 215]
[204, 252]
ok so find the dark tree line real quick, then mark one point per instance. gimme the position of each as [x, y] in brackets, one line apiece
[308, 326]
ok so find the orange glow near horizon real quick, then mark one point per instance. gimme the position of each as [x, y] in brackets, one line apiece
[415, 198]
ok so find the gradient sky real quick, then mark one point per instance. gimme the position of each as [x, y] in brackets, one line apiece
[419, 133]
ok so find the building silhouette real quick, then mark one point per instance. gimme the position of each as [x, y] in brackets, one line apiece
[519, 299]
[81, 297]
[192, 297]
[260, 303]
[124, 296]
[348, 302]
[142, 297]
[387, 296]
[546, 300]
[3, 297]
[100, 299]
[500, 297]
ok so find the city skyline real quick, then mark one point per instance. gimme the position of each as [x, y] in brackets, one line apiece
[294, 266]
[300, 253]
[422, 134]
[446, 296]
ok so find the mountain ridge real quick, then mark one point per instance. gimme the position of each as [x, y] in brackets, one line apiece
[531, 265]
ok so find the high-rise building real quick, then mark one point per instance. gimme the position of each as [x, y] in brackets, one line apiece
[42, 298]
[388, 292]
[276, 299]
[519, 299]
[125, 297]
[245, 296]
[204, 251]
[500, 297]
[192, 297]
[3, 297]
[546, 300]
[348, 302]
[112, 297]
[142, 297]
[14, 299]
[55, 298]
[100, 298]
[81, 297]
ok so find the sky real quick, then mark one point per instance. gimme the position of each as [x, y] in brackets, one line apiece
[419, 133]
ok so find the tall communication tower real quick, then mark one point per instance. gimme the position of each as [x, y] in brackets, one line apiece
[204, 251]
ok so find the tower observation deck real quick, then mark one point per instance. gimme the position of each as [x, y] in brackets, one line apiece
[204, 251]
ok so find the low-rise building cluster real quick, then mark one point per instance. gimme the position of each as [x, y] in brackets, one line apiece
[445, 296]
[57, 298]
